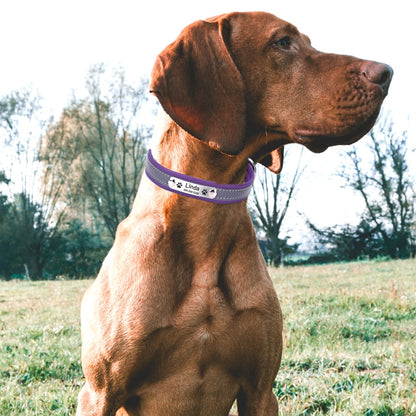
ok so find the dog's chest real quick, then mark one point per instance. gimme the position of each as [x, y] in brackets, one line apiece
[204, 308]
[207, 332]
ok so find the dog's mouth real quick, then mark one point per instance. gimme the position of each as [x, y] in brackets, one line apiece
[268, 148]
[318, 142]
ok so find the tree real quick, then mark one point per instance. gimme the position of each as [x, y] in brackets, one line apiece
[14, 106]
[270, 204]
[348, 242]
[37, 239]
[385, 184]
[386, 188]
[98, 146]
[7, 250]
[32, 222]
[80, 254]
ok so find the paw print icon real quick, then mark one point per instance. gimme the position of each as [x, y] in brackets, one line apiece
[174, 184]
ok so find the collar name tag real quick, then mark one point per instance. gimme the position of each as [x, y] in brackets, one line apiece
[191, 188]
[198, 188]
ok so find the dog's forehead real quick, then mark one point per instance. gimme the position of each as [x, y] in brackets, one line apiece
[260, 27]
[259, 19]
[261, 23]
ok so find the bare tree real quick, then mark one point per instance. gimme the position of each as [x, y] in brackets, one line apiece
[387, 187]
[271, 201]
[382, 177]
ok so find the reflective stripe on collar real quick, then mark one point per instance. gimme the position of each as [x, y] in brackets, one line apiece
[198, 188]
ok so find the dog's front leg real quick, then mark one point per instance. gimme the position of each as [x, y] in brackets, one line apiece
[257, 403]
[92, 403]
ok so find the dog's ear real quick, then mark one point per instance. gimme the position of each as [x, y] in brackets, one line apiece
[274, 160]
[200, 87]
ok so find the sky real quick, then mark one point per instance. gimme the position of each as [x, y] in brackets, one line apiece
[49, 45]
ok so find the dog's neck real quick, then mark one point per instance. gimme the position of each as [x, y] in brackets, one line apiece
[177, 150]
[185, 218]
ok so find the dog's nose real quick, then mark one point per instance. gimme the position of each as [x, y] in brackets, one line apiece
[377, 73]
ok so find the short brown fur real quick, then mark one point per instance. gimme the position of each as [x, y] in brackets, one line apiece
[183, 318]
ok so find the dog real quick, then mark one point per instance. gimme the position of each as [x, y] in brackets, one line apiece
[183, 318]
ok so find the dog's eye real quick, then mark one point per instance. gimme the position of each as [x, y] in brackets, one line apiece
[283, 43]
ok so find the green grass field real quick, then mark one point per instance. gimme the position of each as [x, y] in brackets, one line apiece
[350, 342]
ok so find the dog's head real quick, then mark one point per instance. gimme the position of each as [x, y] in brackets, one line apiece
[251, 79]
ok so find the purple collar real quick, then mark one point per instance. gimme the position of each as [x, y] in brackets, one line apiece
[198, 188]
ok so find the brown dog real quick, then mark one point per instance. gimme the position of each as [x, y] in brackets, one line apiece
[183, 318]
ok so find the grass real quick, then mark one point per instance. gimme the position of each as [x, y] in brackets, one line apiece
[40, 371]
[350, 342]
[350, 339]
